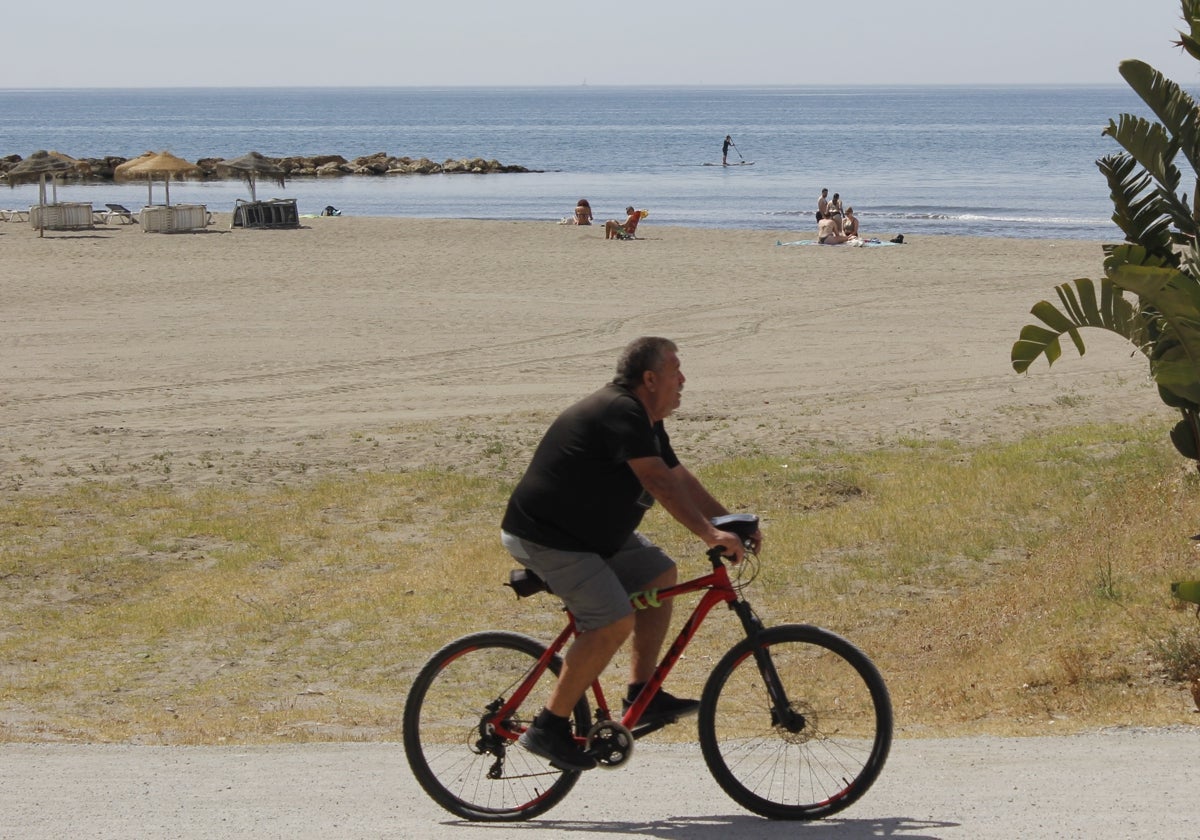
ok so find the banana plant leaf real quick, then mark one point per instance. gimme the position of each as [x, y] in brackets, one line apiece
[1175, 297]
[1081, 307]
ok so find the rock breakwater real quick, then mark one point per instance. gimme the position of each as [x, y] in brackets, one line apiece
[297, 166]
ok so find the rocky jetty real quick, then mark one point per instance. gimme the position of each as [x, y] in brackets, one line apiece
[317, 166]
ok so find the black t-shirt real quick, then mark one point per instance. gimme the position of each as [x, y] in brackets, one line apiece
[579, 494]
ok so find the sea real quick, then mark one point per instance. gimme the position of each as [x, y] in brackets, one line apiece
[934, 160]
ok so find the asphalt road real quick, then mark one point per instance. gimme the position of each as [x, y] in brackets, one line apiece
[1127, 783]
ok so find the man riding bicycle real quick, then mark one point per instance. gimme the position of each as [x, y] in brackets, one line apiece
[573, 520]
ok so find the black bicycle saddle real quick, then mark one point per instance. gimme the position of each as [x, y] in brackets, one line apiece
[742, 524]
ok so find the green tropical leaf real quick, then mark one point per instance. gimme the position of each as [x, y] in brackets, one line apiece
[1175, 297]
[1137, 210]
[1150, 145]
[1173, 106]
[1109, 310]
[1190, 40]
[1150, 294]
[1155, 150]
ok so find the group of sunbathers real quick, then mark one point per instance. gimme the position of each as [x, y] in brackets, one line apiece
[612, 228]
[835, 226]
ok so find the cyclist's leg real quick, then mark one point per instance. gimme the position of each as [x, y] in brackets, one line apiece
[643, 566]
[650, 631]
[584, 661]
[603, 619]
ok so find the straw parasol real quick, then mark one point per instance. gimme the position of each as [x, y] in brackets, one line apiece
[156, 165]
[120, 169]
[36, 168]
[251, 166]
[38, 165]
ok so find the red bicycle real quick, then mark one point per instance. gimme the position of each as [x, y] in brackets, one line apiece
[794, 723]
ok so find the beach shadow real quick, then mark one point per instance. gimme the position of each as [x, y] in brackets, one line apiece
[57, 235]
[746, 827]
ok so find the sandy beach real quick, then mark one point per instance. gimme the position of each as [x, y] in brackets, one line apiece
[251, 355]
[258, 357]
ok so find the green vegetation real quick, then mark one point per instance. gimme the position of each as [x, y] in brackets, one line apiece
[1150, 294]
[1015, 588]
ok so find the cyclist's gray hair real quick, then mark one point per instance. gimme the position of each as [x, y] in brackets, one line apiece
[640, 355]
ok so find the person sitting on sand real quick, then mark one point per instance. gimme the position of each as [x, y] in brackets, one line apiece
[829, 232]
[850, 224]
[583, 212]
[615, 230]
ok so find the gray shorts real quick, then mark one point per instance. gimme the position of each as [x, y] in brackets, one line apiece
[595, 589]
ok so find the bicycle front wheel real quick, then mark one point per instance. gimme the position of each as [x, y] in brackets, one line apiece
[814, 757]
[457, 757]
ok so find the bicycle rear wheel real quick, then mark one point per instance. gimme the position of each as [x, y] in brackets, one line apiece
[812, 759]
[466, 767]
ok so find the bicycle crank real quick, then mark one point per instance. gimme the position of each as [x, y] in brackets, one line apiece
[610, 743]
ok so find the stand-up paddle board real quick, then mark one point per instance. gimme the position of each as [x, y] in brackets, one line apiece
[739, 163]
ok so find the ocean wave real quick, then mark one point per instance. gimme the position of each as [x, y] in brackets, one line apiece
[950, 215]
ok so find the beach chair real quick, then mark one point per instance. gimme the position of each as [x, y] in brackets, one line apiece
[121, 212]
[629, 229]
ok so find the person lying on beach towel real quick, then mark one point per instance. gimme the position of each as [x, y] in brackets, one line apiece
[852, 243]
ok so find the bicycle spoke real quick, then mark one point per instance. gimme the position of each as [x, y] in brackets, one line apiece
[456, 755]
[813, 757]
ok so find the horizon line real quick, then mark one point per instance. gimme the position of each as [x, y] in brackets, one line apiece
[576, 86]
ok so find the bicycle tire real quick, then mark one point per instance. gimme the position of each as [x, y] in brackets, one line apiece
[473, 774]
[829, 752]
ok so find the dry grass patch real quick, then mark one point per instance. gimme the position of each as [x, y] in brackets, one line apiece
[1007, 588]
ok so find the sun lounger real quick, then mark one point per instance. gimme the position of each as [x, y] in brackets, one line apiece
[120, 212]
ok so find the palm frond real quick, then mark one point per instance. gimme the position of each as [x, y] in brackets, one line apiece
[1174, 298]
[1150, 145]
[1190, 41]
[1081, 307]
[1173, 106]
[1138, 210]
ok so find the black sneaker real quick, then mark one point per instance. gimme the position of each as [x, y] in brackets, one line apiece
[554, 743]
[665, 708]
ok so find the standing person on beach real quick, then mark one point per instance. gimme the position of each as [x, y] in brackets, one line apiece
[833, 210]
[725, 150]
[573, 520]
[823, 205]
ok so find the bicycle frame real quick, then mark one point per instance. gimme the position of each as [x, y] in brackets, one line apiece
[799, 754]
[719, 590]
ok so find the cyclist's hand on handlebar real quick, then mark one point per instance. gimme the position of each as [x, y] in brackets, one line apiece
[731, 546]
[756, 542]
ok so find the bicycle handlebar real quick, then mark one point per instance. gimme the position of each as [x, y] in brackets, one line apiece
[743, 525]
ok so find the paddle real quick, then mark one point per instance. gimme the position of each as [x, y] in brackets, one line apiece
[736, 149]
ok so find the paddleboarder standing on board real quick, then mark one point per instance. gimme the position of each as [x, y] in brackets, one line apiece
[725, 150]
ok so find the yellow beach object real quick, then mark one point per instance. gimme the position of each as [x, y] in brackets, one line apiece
[1187, 590]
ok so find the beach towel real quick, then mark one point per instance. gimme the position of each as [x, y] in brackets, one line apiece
[854, 243]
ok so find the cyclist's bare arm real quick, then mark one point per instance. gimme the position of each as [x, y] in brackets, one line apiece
[708, 505]
[685, 498]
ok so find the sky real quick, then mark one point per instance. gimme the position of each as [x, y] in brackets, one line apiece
[264, 43]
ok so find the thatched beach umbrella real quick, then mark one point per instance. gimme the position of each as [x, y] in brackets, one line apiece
[120, 170]
[36, 168]
[251, 166]
[161, 165]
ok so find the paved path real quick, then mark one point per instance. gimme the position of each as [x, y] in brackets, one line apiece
[1115, 784]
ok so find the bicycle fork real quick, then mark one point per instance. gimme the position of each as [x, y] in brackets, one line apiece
[782, 713]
